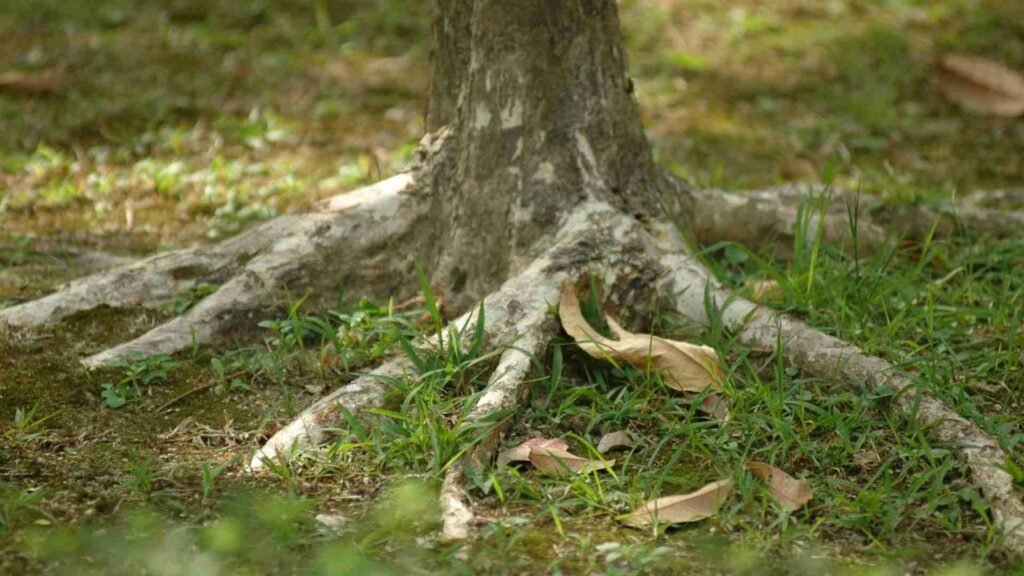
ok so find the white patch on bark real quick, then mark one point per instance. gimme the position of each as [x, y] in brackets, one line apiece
[384, 196]
[481, 116]
[587, 163]
[545, 173]
[521, 212]
[512, 115]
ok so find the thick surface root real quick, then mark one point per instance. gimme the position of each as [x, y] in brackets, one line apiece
[369, 391]
[594, 240]
[773, 215]
[754, 216]
[309, 429]
[147, 282]
[80, 261]
[504, 391]
[355, 237]
[822, 355]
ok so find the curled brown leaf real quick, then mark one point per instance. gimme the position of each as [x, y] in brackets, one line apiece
[715, 406]
[680, 508]
[521, 453]
[561, 462]
[683, 366]
[789, 492]
[980, 85]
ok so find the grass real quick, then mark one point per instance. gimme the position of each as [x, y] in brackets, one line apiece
[882, 488]
[184, 122]
[792, 88]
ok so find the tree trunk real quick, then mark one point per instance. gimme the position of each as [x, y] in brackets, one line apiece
[532, 111]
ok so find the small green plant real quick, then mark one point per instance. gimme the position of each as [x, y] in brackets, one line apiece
[17, 252]
[354, 336]
[143, 473]
[211, 473]
[283, 467]
[228, 381]
[298, 330]
[27, 424]
[19, 505]
[138, 373]
[189, 298]
[115, 395]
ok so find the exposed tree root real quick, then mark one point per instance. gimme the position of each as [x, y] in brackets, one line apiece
[996, 199]
[504, 391]
[594, 239]
[368, 239]
[354, 237]
[756, 217]
[771, 215]
[82, 261]
[144, 283]
[309, 429]
[820, 354]
[56, 263]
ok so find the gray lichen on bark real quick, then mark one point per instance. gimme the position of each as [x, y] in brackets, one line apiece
[540, 116]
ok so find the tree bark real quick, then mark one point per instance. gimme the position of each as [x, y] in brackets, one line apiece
[533, 112]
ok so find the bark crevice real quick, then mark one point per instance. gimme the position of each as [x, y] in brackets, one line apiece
[540, 117]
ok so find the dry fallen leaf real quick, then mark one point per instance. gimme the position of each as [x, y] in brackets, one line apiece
[521, 453]
[690, 507]
[715, 406]
[560, 462]
[683, 366]
[613, 440]
[981, 85]
[787, 491]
